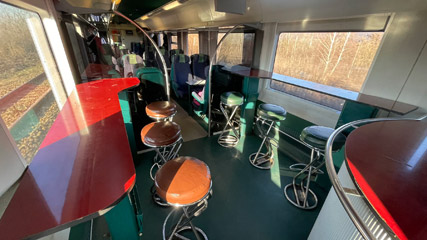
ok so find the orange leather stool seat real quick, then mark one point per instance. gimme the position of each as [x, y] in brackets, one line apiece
[161, 110]
[158, 134]
[183, 181]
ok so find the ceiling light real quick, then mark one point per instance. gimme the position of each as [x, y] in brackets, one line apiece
[171, 5]
[145, 17]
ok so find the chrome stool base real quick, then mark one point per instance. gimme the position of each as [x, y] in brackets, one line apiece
[297, 167]
[186, 228]
[299, 196]
[164, 154]
[184, 223]
[226, 139]
[301, 192]
[263, 161]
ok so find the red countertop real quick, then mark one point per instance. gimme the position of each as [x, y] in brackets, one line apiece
[83, 166]
[388, 162]
[378, 102]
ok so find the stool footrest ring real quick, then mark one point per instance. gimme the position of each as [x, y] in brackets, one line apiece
[263, 161]
[226, 139]
[311, 202]
[297, 167]
[259, 159]
[184, 223]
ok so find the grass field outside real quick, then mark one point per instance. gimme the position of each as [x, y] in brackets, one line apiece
[337, 59]
[19, 65]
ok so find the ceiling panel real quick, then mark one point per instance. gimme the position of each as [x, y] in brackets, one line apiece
[137, 8]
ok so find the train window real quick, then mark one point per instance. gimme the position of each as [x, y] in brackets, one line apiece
[27, 104]
[174, 42]
[236, 49]
[193, 43]
[338, 59]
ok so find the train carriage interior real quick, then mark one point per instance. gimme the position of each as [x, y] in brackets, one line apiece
[197, 119]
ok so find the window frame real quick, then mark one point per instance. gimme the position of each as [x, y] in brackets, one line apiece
[272, 31]
[331, 90]
[55, 65]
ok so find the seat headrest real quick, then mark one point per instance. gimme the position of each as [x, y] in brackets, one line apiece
[176, 51]
[181, 58]
[202, 58]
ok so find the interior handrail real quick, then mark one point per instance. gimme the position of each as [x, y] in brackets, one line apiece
[213, 58]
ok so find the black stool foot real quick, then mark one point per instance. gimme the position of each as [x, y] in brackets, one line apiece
[295, 193]
[263, 161]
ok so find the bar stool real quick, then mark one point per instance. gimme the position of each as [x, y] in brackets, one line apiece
[185, 183]
[315, 137]
[161, 110]
[231, 100]
[165, 138]
[269, 114]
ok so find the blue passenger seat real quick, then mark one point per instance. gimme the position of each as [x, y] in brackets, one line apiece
[180, 73]
[165, 55]
[198, 64]
[200, 97]
[173, 52]
[150, 60]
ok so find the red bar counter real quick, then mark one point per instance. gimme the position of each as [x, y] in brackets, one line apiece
[388, 163]
[83, 168]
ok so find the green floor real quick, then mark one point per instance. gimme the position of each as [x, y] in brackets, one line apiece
[247, 203]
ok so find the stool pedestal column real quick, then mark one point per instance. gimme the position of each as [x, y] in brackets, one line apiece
[268, 114]
[233, 100]
[315, 137]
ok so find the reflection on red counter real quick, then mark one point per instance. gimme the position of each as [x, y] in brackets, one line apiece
[388, 161]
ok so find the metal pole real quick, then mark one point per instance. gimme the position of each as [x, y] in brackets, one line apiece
[165, 70]
[213, 58]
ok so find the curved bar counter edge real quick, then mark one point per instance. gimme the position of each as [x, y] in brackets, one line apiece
[394, 153]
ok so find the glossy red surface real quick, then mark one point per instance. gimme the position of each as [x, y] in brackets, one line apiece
[388, 161]
[83, 166]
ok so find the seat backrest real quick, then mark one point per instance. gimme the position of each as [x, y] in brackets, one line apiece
[165, 55]
[198, 64]
[151, 74]
[181, 73]
[173, 52]
[150, 57]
